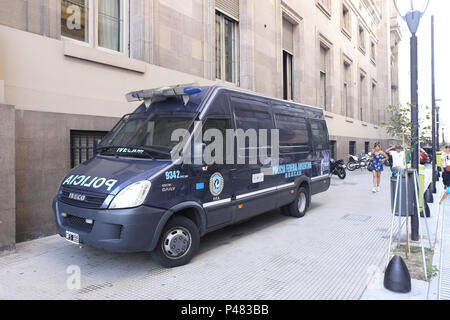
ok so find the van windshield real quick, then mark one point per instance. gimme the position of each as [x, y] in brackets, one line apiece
[150, 131]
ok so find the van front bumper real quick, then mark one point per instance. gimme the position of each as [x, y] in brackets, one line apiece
[124, 230]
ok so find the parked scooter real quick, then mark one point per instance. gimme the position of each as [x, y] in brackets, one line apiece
[357, 162]
[338, 168]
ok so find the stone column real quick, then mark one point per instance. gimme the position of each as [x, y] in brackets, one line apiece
[7, 179]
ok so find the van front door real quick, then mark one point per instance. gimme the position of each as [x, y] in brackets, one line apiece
[216, 175]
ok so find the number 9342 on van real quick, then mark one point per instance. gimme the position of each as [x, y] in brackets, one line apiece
[190, 160]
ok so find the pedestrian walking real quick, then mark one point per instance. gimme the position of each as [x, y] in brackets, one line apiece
[446, 166]
[377, 156]
[398, 156]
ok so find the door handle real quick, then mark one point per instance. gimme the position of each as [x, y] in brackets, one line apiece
[233, 173]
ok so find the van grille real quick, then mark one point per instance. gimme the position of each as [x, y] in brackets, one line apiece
[92, 200]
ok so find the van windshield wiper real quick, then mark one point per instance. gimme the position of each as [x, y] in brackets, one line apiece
[133, 150]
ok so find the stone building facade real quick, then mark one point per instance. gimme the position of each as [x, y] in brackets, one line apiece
[65, 66]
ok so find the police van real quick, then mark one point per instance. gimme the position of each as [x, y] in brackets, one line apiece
[144, 190]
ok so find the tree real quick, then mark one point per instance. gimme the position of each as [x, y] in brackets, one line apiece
[399, 124]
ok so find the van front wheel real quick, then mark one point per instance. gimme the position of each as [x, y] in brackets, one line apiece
[299, 207]
[178, 243]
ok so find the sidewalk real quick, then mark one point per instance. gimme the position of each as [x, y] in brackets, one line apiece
[332, 253]
[421, 290]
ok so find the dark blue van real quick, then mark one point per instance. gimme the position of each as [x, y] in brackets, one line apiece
[135, 195]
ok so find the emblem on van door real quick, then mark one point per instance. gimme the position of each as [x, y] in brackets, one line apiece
[78, 197]
[216, 184]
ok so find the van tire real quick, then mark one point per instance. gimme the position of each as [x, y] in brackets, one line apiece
[179, 234]
[299, 207]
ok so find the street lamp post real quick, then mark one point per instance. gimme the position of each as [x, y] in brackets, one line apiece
[438, 145]
[433, 111]
[412, 19]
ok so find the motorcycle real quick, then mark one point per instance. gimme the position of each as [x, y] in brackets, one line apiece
[338, 168]
[358, 162]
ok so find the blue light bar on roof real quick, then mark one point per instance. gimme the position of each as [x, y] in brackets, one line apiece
[164, 92]
[191, 91]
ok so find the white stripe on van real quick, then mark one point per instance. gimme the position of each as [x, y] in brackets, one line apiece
[246, 195]
[284, 186]
[320, 177]
[216, 203]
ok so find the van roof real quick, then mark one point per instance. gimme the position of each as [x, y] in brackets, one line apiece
[241, 90]
[186, 90]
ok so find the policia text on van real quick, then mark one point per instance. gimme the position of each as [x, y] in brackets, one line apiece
[132, 197]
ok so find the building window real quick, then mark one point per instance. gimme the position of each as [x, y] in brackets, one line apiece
[333, 149]
[82, 145]
[346, 21]
[324, 6]
[362, 96]
[346, 92]
[288, 51]
[287, 76]
[323, 74]
[352, 148]
[366, 147]
[226, 48]
[100, 23]
[373, 51]
[110, 24]
[74, 19]
[373, 105]
[362, 39]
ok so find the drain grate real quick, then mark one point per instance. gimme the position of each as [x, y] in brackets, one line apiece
[355, 217]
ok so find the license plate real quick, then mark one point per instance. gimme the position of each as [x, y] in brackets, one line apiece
[73, 237]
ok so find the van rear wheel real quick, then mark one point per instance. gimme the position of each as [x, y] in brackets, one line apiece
[178, 244]
[299, 207]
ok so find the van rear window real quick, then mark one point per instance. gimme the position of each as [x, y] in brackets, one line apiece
[319, 135]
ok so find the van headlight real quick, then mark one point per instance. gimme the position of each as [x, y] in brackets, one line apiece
[132, 196]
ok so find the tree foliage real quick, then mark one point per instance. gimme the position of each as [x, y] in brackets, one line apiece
[399, 123]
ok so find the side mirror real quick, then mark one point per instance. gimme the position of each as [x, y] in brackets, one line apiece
[96, 144]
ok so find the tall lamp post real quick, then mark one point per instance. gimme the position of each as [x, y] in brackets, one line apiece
[412, 18]
[433, 111]
[438, 137]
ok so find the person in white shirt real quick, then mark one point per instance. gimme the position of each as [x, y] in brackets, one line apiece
[398, 156]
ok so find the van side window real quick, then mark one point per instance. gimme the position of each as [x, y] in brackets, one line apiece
[219, 124]
[294, 136]
[249, 114]
[319, 135]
